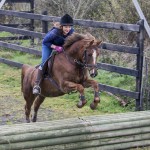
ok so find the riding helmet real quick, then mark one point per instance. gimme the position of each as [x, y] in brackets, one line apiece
[66, 20]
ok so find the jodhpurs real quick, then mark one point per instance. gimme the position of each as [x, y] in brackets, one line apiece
[46, 52]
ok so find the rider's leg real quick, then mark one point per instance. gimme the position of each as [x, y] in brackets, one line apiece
[46, 52]
[36, 88]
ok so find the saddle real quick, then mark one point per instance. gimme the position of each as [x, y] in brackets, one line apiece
[47, 69]
[45, 66]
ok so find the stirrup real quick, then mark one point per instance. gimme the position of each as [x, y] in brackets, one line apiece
[36, 89]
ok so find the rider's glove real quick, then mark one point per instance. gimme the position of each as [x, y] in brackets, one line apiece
[58, 48]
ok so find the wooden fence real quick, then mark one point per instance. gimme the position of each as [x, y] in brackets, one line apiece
[138, 51]
[30, 24]
[146, 83]
[106, 132]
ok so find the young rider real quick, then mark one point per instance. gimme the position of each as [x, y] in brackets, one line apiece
[53, 40]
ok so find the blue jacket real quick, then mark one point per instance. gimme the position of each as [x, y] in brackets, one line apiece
[55, 37]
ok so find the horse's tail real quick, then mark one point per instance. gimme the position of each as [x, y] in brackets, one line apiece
[25, 73]
[22, 77]
[24, 68]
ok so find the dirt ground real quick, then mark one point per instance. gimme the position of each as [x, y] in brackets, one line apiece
[12, 111]
[12, 108]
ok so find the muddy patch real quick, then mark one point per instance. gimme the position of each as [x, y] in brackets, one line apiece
[12, 111]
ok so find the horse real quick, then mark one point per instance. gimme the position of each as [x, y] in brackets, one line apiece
[69, 72]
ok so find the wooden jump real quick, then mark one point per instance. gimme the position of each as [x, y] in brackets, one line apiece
[115, 131]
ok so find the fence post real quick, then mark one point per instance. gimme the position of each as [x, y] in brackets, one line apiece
[140, 44]
[32, 20]
[44, 23]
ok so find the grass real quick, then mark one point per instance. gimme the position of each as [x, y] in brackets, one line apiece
[116, 80]
[5, 34]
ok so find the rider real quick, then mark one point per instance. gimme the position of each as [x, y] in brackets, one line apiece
[53, 40]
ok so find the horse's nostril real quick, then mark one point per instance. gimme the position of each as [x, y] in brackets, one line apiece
[93, 75]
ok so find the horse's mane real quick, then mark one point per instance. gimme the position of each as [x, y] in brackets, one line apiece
[77, 37]
[72, 39]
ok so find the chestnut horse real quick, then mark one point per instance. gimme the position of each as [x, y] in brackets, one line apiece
[69, 73]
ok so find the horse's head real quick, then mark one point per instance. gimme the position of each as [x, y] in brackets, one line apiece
[84, 50]
[90, 55]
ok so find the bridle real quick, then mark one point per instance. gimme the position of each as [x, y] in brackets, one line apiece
[86, 65]
[83, 63]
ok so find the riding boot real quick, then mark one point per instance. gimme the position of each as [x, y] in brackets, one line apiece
[36, 88]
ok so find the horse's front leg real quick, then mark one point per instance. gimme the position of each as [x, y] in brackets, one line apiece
[70, 87]
[95, 86]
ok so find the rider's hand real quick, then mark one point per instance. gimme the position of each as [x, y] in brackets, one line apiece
[58, 48]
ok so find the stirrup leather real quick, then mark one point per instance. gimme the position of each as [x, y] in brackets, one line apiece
[36, 89]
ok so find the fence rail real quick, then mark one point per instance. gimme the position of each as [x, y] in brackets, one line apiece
[20, 48]
[22, 31]
[86, 23]
[120, 48]
[117, 69]
[138, 51]
[11, 63]
[104, 66]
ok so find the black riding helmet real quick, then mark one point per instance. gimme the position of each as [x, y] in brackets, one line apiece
[66, 20]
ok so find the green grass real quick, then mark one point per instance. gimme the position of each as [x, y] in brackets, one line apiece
[5, 34]
[116, 80]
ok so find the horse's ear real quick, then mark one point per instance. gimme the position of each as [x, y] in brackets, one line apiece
[91, 43]
[98, 42]
[88, 43]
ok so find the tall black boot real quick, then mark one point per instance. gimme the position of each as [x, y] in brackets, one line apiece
[36, 88]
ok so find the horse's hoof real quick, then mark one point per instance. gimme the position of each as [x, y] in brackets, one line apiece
[33, 119]
[97, 100]
[27, 120]
[81, 103]
[93, 105]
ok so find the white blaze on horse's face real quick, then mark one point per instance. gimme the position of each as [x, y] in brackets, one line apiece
[94, 57]
[93, 71]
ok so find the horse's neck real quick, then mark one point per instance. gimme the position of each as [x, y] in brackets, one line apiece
[74, 53]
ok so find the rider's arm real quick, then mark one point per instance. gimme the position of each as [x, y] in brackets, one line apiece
[49, 38]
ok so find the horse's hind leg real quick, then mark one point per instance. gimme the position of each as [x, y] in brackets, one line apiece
[29, 102]
[39, 100]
